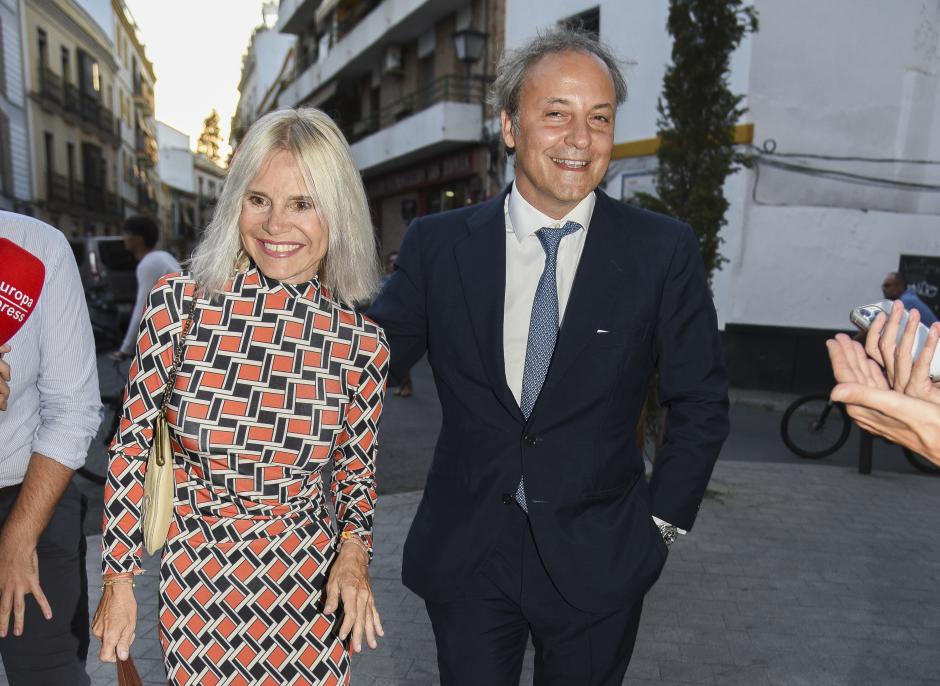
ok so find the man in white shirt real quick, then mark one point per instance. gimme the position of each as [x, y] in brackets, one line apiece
[545, 312]
[140, 238]
[50, 418]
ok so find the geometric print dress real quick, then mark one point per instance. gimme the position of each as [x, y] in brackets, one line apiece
[278, 382]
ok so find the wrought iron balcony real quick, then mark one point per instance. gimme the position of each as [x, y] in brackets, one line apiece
[79, 107]
[74, 197]
[447, 88]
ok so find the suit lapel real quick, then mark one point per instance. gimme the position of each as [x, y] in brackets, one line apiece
[481, 264]
[598, 282]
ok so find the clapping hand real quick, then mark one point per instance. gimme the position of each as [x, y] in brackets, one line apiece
[883, 391]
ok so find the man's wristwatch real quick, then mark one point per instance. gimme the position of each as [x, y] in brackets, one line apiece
[669, 533]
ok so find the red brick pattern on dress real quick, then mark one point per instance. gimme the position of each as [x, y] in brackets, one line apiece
[278, 382]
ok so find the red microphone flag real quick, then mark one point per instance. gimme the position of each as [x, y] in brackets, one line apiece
[21, 278]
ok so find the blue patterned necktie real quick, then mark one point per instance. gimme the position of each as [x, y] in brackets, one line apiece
[543, 328]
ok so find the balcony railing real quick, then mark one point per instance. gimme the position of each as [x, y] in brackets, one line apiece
[73, 195]
[83, 107]
[448, 88]
[349, 13]
[146, 148]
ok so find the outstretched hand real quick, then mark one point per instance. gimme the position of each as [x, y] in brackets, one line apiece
[910, 415]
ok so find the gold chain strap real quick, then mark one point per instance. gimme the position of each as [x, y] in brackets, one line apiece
[177, 358]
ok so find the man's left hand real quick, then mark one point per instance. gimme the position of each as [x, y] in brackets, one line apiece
[4, 378]
[19, 577]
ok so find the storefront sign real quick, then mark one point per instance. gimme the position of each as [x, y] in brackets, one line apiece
[431, 173]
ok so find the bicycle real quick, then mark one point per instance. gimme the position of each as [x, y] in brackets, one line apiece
[813, 427]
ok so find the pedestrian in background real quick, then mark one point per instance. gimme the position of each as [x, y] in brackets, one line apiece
[141, 235]
[895, 287]
[280, 378]
[405, 388]
[51, 415]
[544, 312]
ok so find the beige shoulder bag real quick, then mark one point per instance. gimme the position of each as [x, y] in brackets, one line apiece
[159, 483]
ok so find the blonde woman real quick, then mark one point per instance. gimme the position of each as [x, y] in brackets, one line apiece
[280, 378]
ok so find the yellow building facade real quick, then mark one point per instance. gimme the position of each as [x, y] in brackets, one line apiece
[70, 79]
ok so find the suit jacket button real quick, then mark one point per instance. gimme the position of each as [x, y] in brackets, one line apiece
[529, 440]
[507, 499]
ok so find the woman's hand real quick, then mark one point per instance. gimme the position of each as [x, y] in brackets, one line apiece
[902, 373]
[850, 364]
[348, 583]
[115, 622]
[907, 421]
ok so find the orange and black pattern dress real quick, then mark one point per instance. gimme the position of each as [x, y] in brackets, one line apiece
[278, 383]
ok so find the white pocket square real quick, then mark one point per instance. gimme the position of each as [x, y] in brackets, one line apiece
[603, 331]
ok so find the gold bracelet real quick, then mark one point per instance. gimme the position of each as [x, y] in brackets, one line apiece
[355, 538]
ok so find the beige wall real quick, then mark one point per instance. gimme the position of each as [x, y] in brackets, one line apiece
[67, 26]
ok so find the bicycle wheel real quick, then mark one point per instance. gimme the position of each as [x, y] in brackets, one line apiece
[814, 427]
[920, 462]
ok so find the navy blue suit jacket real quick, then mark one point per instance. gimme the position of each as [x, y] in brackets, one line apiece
[640, 279]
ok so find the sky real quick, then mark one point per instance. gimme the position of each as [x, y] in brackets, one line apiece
[197, 61]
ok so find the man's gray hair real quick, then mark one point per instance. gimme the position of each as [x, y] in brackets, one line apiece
[515, 64]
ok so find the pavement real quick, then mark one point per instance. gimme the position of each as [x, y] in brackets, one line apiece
[798, 573]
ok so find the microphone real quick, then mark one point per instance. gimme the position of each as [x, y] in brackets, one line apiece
[21, 278]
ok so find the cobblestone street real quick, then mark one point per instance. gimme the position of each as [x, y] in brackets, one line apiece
[796, 574]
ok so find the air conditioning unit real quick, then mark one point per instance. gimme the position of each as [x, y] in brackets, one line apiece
[392, 62]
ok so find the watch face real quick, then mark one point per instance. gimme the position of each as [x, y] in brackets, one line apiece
[669, 533]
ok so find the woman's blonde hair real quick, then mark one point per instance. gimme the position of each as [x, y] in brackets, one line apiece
[350, 268]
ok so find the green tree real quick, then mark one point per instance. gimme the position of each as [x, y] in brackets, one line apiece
[697, 116]
[210, 140]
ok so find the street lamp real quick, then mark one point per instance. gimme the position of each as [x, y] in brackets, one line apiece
[469, 44]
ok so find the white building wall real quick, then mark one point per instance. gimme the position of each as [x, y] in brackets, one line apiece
[13, 101]
[808, 248]
[175, 164]
[270, 48]
[814, 247]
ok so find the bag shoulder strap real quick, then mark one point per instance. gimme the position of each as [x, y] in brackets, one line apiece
[178, 355]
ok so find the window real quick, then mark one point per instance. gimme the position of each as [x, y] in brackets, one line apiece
[89, 82]
[6, 162]
[42, 44]
[47, 139]
[66, 65]
[70, 159]
[588, 21]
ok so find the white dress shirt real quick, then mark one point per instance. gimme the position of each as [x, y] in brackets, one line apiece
[151, 267]
[54, 399]
[525, 262]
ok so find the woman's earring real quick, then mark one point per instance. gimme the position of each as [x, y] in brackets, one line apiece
[241, 260]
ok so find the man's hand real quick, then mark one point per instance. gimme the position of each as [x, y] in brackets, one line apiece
[348, 583]
[4, 378]
[115, 622]
[19, 577]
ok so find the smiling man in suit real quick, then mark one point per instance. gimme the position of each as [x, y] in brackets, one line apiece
[545, 311]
